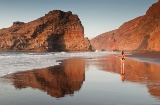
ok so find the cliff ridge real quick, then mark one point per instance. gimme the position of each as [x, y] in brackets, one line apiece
[56, 31]
[141, 34]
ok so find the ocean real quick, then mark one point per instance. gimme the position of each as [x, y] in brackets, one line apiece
[11, 62]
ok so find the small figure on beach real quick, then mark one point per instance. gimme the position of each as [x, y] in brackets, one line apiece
[122, 56]
[122, 60]
[122, 65]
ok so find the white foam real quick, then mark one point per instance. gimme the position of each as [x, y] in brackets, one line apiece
[12, 62]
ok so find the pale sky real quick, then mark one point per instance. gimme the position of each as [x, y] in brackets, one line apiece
[97, 16]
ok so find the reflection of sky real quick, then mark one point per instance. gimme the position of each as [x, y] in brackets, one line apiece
[94, 71]
[97, 16]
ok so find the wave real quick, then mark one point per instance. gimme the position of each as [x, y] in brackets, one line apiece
[12, 62]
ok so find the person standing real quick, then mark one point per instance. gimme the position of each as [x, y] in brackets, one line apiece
[122, 63]
[122, 56]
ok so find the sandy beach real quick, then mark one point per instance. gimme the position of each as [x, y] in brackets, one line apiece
[146, 57]
[86, 81]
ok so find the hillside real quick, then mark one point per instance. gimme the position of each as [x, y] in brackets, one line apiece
[140, 34]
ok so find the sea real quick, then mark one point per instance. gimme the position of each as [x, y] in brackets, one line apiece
[11, 62]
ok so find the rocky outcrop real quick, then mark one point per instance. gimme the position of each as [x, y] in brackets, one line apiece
[139, 34]
[56, 31]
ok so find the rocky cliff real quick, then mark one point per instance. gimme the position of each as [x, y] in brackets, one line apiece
[56, 31]
[139, 34]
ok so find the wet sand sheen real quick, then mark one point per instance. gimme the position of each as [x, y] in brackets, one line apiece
[81, 81]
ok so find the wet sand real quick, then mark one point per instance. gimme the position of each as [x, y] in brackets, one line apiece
[146, 57]
[78, 81]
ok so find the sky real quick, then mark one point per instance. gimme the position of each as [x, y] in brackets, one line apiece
[97, 16]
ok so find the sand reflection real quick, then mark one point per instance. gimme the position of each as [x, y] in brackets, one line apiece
[57, 81]
[134, 71]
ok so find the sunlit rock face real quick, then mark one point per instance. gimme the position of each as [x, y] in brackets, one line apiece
[57, 81]
[143, 73]
[56, 31]
[140, 34]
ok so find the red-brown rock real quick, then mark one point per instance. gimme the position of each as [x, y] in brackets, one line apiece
[56, 31]
[139, 34]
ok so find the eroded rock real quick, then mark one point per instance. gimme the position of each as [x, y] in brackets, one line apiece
[56, 31]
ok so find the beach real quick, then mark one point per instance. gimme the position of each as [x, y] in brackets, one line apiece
[92, 80]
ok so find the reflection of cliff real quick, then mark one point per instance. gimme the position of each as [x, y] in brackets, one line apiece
[57, 81]
[135, 71]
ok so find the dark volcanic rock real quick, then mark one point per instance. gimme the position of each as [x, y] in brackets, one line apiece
[139, 34]
[56, 31]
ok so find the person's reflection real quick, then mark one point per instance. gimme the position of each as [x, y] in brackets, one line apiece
[122, 70]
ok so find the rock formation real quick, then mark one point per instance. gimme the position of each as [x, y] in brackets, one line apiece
[139, 34]
[56, 31]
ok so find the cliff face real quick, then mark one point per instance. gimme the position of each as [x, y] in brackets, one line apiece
[56, 31]
[139, 34]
